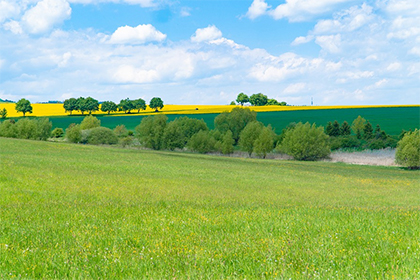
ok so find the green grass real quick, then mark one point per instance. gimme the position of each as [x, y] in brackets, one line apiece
[78, 211]
[392, 120]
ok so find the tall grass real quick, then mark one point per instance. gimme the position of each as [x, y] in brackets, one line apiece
[72, 211]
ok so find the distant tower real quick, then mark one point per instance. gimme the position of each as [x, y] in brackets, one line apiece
[312, 101]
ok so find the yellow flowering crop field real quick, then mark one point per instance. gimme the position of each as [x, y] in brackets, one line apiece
[89, 212]
[47, 110]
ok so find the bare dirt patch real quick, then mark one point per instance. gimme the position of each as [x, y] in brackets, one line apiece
[385, 157]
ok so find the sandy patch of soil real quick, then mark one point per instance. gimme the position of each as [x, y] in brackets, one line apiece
[385, 157]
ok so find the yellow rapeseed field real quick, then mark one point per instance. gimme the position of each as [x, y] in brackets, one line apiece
[45, 110]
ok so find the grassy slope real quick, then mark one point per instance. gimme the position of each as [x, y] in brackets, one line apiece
[85, 211]
[392, 120]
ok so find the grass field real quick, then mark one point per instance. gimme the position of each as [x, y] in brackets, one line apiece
[78, 211]
[392, 120]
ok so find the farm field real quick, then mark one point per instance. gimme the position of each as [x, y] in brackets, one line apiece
[79, 211]
[392, 119]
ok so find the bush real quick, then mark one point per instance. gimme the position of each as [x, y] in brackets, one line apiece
[120, 131]
[264, 143]
[226, 145]
[408, 150]
[43, 129]
[74, 133]
[57, 132]
[126, 141]
[376, 144]
[234, 121]
[350, 142]
[8, 129]
[306, 142]
[179, 131]
[248, 136]
[150, 131]
[101, 135]
[90, 122]
[335, 143]
[26, 129]
[202, 142]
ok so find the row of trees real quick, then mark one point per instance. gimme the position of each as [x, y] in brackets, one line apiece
[365, 137]
[257, 99]
[90, 105]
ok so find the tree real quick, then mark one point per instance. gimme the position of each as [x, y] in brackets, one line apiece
[248, 136]
[70, 105]
[179, 131]
[408, 150]
[23, 106]
[234, 121]
[329, 129]
[92, 105]
[345, 129]
[90, 122]
[74, 133]
[226, 146]
[264, 143]
[101, 135]
[358, 125]
[368, 131]
[242, 98]
[156, 103]
[232, 103]
[82, 105]
[283, 103]
[202, 142]
[139, 104]
[109, 106]
[306, 142]
[258, 99]
[272, 101]
[335, 129]
[3, 113]
[150, 131]
[126, 105]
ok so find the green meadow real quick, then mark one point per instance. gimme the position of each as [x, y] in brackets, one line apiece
[80, 211]
[392, 119]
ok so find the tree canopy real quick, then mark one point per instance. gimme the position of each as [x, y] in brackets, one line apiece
[156, 103]
[258, 99]
[242, 98]
[109, 106]
[24, 106]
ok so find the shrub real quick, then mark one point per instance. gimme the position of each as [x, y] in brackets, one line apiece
[8, 129]
[306, 142]
[408, 150]
[335, 143]
[264, 143]
[57, 132]
[43, 129]
[376, 144]
[248, 136]
[179, 131]
[350, 142]
[26, 129]
[74, 133]
[202, 142]
[126, 141]
[150, 131]
[101, 135]
[120, 131]
[226, 146]
[90, 122]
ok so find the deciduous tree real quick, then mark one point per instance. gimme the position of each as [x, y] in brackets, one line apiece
[258, 99]
[24, 106]
[109, 106]
[70, 105]
[242, 98]
[156, 103]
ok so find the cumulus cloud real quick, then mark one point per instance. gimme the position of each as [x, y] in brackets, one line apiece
[46, 14]
[257, 8]
[141, 34]
[294, 88]
[294, 10]
[329, 43]
[206, 34]
[142, 3]
[8, 9]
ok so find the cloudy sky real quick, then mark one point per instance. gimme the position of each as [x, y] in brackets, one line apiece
[338, 52]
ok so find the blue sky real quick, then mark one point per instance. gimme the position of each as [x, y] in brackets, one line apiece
[338, 52]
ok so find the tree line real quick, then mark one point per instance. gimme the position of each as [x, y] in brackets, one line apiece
[257, 99]
[127, 105]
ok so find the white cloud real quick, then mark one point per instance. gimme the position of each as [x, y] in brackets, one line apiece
[141, 34]
[395, 66]
[13, 26]
[46, 14]
[142, 3]
[8, 10]
[294, 88]
[257, 8]
[300, 10]
[330, 43]
[185, 12]
[302, 40]
[206, 34]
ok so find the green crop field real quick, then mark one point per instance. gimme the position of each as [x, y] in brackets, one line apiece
[79, 211]
[392, 119]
